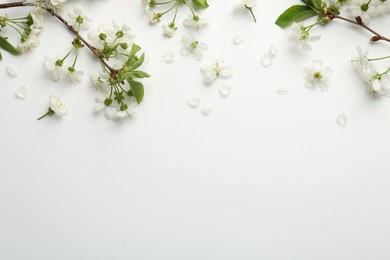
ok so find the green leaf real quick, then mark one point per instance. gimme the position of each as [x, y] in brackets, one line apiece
[134, 49]
[316, 4]
[1, 56]
[295, 13]
[7, 46]
[137, 88]
[139, 74]
[200, 4]
[138, 63]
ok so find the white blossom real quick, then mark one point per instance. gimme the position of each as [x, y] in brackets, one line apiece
[73, 76]
[359, 60]
[169, 30]
[377, 84]
[58, 106]
[302, 37]
[195, 23]
[317, 76]
[217, 68]
[100, 82]
[362, 8]
[193, 47]
[77, 18]
[55, 71]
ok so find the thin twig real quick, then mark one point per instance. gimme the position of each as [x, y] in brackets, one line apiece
[358, 22]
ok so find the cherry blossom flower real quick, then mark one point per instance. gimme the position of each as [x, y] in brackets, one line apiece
[301, 36]
[56, 106]
[193, 47]
[359, 60]
[54, 69]
[317, 76]
[78, 18]
[195, 23]
[217, 68]
[362, 8]
[169, 29]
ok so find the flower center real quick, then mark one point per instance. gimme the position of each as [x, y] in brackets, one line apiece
[317, 76]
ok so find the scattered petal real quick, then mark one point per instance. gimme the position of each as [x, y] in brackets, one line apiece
[238, 39]
[266, 60]
[283, 91]
[169, 57]
[206, 110]
[225, 90]
[193, 102]
[12, 70]
[22, 92]
[342, 120]
[273, 51]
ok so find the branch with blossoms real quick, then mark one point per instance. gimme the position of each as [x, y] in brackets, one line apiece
[359, 13]
[118, 84]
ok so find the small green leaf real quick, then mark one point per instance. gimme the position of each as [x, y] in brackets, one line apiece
[137, 88]
[335, 10]
[7, 46]
[138, 63]
[139, 74]
[1, 56]
[134, 49]
[200, 4]
[295, 13]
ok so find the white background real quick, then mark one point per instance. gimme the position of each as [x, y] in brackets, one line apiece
[263, 177]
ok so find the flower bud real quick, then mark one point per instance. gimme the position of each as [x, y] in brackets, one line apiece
[359, 20]
[108, 102]
[375, 38]
[123, 107]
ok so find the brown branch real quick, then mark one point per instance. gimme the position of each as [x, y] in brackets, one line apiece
[14, 4]
[358, 21]
[95, 51]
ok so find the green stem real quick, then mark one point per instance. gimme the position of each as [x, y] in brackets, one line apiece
[376, 59]
[251, 11]
[48, 113]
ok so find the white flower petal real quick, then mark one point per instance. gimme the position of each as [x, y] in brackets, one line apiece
[206, 109]
[169, 57]
[193, 102]
[22, 92]
[342, 120]
[225, 90]
[283, 91]
[238, 39]
[266, 60]
[12, 70]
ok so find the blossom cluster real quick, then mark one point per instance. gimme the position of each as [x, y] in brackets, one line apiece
[377, 83]
[119, 86]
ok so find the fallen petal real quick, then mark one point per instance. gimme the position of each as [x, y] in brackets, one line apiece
[206, 110]
[225, 90]
[193, 102]
[238, 39]
[283, 91]
[342, 120]
[273, 51]
[266, 60]
[169, 57]
[22, 92]
[12, 70]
